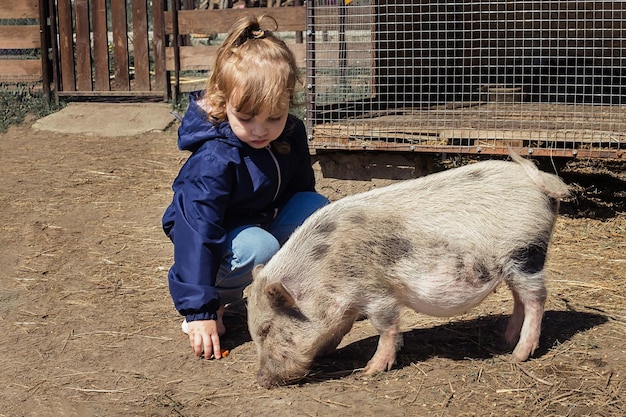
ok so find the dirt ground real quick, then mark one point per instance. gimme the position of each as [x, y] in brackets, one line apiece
[88, 327]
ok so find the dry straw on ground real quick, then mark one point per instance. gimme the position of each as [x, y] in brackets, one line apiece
[89, 328]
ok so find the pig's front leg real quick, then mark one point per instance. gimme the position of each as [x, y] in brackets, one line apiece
[388, 344]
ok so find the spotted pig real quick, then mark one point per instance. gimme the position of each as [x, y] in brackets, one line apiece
[437, 244]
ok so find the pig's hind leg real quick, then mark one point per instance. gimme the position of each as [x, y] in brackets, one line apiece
[387, 323]
[524, 326]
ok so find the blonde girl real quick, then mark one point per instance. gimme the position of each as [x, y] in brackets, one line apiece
[247, 184]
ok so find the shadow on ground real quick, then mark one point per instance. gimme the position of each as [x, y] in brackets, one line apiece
[475, 339]
[599, 196]
[236, 322]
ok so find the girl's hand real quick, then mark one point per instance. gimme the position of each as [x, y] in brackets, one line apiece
[204, 338]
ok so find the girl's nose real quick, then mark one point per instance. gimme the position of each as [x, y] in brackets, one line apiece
[259, 129]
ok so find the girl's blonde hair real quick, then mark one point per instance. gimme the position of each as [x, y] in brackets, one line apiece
[254, 71]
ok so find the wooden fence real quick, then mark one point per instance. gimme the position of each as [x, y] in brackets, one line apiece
[380, 75]
[95, 60]
[181, 23]
[20, 44]
[114, 49]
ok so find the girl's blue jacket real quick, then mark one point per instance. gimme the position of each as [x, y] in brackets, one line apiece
[224, 184]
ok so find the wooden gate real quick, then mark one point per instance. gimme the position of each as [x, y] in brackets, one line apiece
[108, 48]
[129, 48]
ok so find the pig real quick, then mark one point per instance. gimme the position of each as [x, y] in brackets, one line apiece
[438, 244]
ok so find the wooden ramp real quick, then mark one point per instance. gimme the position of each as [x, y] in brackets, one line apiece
[489, 128]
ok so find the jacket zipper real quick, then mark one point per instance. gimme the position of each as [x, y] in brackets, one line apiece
[269, 149]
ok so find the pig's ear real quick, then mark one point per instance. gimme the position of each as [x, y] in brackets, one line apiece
[279, 297]
[256, 271]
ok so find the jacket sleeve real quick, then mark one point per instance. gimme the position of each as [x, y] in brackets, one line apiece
[200, 196]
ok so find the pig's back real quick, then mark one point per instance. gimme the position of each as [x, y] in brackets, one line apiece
[485, 200]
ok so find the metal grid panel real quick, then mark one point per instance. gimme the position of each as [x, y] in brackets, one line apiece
[543, 77]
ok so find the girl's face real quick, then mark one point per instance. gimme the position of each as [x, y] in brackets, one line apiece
[257, 130]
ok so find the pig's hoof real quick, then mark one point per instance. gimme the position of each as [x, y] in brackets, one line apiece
[523, 351]
[518, 357]
[375, 366]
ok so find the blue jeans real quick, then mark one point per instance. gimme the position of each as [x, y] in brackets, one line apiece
[248, 246]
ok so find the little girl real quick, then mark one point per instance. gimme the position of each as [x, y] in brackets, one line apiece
[247, 184]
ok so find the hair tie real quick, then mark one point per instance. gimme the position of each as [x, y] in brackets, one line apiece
[258, 34]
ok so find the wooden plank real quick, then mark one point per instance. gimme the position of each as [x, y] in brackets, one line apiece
[193, 84]
[202, 57]
[474, 150]
[120, 45]
[44, 42]
[19, 37]
[538, 129]
[100, 49]
[486, 138]
[54, 46]
[66, 45]
[158, 42]
[83, 45]
[135, 94]
[19, 9]
[140, 45]
[175, 42]
[503, 150]
[191, 58]
[219, 21]
[16, 69]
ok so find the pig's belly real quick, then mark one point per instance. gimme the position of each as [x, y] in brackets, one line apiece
[445, 297]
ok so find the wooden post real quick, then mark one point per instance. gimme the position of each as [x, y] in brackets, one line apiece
[45, 58]
[298, 34]
[175, 8]
[55, 49]
[309, 84]
[161, 79]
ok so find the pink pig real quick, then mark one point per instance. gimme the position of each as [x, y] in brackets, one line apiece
[438, 244]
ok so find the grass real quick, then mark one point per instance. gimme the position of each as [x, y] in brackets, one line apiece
[19, 100]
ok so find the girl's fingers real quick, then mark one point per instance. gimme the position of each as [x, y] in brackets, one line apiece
[217, 351]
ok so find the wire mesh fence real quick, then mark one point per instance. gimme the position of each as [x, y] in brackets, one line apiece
[542, 77]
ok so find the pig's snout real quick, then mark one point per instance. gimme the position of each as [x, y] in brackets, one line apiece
[282, 369]
[270, 379]
[267, 380]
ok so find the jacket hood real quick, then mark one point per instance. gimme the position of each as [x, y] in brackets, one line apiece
[196, 128]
